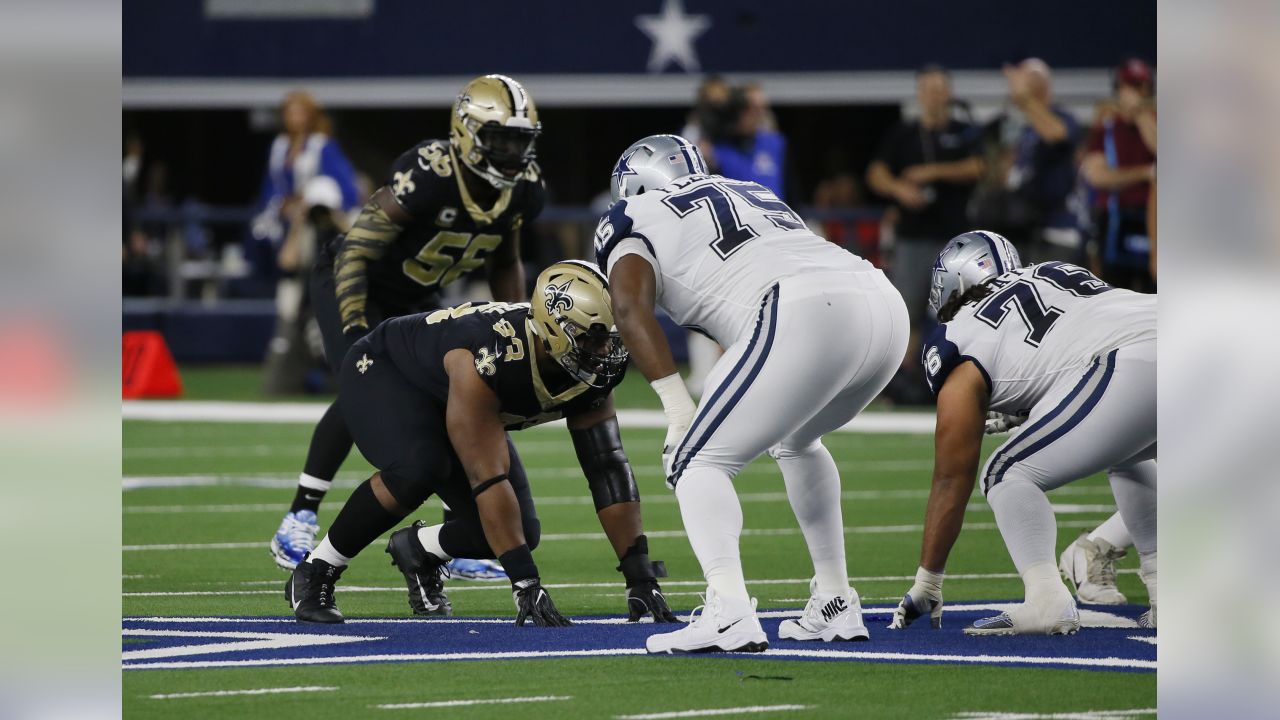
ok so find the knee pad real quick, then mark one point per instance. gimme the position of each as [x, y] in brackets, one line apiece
[407, 484]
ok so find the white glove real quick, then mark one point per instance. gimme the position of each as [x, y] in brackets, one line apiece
[998, 422]
[924, 597]
[679, 409]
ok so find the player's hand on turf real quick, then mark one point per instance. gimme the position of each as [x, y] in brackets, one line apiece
[534, 603]
[646, 598]
[998, 422]
[924, 598]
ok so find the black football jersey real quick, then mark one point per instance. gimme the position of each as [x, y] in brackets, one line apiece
[502, 343]
[450, 235]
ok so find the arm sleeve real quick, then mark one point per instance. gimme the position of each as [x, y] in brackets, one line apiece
[365, 243]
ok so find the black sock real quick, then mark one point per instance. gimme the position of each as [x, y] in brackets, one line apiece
[360, 522]
[330, 445]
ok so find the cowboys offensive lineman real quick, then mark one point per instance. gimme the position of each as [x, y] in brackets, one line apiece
[1075, 355]
[813, 333]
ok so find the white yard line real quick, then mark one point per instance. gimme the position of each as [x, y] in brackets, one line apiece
[465, 703]
[239, 642]
[710, 712]
[259, 691]
[1079, 715]
[306, 413]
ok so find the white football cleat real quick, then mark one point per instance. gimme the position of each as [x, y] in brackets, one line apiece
[1090, 565]
[827, 617]
[1044, 618]
[1147, 620]
[723, 626]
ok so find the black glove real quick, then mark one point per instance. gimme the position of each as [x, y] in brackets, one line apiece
[644, 596]
[533, 602]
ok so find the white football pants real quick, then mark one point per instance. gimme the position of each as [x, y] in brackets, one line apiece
[822, 347]
[1104, 419]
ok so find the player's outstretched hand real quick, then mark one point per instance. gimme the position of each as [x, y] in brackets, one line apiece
[646, 598]
[924, 598]
[534, 603]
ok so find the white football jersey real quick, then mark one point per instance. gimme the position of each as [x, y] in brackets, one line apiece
[716, 246]
[1042, 322]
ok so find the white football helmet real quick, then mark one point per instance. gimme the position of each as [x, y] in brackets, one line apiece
[653, 162]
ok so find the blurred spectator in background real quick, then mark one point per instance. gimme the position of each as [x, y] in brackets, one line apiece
[140, 268]
[928, 167]
[1042, 176]
[1120, 164]
[302, 151]
[746, 145]
[707, 119]
[295, 356]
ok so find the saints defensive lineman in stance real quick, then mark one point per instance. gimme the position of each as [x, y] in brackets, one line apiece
[1077, 357]
[449, 207]
[428, 398]
[812, 333]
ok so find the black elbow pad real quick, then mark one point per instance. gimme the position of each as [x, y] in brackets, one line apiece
[604, 462]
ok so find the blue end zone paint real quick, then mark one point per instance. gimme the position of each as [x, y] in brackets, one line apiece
[409, 640]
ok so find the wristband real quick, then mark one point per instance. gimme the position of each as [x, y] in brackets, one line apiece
[676, 402]
[518, 562]
[928, 577]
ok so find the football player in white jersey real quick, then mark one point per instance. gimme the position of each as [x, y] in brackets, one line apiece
[812, 334]
[1077, 357]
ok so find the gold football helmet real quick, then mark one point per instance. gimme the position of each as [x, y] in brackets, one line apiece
[493, 129]
[572, 314]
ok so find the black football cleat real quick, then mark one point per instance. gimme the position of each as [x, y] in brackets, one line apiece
[424, 573]
[310, 592]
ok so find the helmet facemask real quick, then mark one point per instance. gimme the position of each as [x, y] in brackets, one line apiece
[501, 154]
[596, 355]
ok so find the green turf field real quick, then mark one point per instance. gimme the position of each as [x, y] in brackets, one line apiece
[250, 469]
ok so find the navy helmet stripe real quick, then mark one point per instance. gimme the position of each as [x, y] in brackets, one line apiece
[770, 303]
[998, 468]
[995, 251]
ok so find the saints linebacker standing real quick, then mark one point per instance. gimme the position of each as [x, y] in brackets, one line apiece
[1077, 357]
[428, 399]
[813, 333]
[449, 207]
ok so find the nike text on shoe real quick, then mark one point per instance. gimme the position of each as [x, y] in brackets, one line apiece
[469, 569]
[310, 592]
[722, 626]
[827, 618]
[1056, 618]
[423, 572]
[295, 538]
[1091, 566]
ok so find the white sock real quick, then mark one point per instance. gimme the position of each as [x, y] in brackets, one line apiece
[312, 482]
[1043, 583]
[1113, 532]
[430, 538]
[324, 551]
[813, 487]
[1026, 522]
[1147, 568]
[713, 520]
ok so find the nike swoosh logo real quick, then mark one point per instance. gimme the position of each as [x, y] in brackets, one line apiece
[293, 593]
[726, 627]
[313, 497]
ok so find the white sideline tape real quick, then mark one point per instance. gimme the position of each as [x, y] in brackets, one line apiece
[263, 412]
[259, 691]
[464, 703]
[560, 537]
[710, 712]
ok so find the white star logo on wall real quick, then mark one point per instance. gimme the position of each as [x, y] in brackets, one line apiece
[672, 34]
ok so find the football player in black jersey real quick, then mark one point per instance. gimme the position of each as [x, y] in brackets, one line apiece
[448, 208]
[429, 398]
